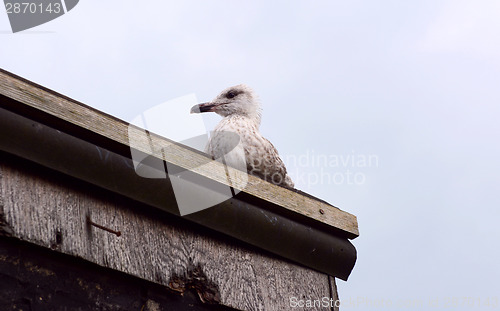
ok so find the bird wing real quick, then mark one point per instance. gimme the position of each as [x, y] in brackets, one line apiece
[264, 161]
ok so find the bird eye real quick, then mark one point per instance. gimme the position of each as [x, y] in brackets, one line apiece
[231, 94]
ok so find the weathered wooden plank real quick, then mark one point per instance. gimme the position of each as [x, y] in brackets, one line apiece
[51, 210]
[121, 132]
[334, 294]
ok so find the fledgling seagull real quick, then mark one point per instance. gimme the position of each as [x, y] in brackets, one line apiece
[241, 112]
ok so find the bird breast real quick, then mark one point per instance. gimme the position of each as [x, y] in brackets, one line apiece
[237, 142]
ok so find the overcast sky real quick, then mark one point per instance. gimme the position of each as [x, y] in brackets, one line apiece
[386, 109]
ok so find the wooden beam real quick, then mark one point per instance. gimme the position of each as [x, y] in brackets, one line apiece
[41, 100]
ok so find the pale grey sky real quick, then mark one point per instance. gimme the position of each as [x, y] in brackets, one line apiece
[411, 85]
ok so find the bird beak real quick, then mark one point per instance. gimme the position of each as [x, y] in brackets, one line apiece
[205, 107]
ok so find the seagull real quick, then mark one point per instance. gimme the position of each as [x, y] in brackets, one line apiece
[241, 112]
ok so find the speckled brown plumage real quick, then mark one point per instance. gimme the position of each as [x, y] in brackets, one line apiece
[241, 115]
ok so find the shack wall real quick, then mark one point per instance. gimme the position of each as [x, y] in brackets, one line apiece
[51, 210]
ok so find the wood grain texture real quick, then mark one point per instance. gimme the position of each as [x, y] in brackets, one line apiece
[334, 293]
[51, 210]
[97, 122]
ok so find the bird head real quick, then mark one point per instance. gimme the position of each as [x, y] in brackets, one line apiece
[236, 100]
